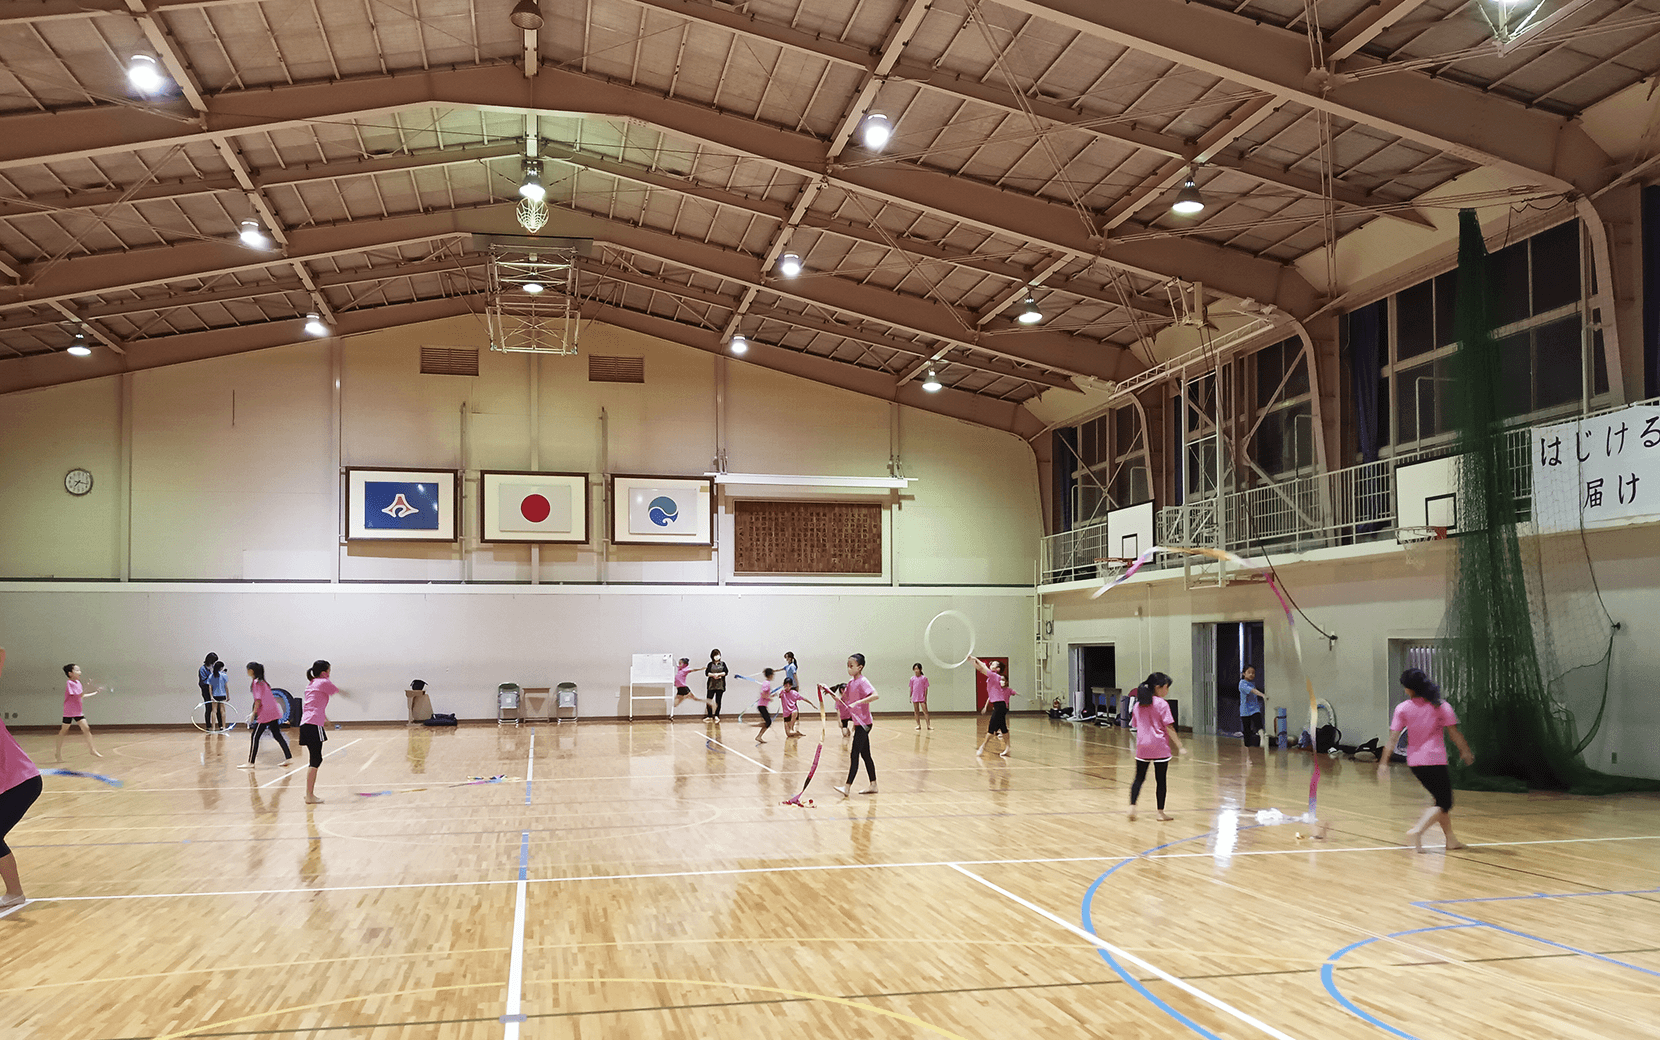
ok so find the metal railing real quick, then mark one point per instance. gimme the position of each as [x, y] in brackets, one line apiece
[1343, 507]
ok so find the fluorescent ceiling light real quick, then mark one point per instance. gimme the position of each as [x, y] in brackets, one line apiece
[795, 480]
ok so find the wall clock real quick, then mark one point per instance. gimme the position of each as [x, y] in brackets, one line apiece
[77, 481]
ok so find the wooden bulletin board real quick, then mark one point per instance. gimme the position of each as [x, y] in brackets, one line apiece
[807, 538]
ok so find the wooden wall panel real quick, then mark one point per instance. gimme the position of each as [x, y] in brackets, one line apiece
[807, 538]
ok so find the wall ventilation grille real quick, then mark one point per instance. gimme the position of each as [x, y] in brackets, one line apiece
[449, 361]
[616, 369]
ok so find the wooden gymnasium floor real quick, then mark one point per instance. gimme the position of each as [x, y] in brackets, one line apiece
[667, 893]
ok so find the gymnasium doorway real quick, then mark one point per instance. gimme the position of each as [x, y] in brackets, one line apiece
[1094, 678]
[1221, 652]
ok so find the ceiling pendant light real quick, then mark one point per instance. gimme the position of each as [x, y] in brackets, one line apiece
[531, 186]
[527, 14]
[932, 383]
[789, 265]
[876, 131]
[314, 325]
[739, 345]
[1188, 200]
[534, 287]
[145, 74]
[252, 236]
[1029, 314]
[79, 347]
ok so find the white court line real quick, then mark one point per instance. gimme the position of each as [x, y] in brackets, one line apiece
[1096, 940]
[804, 868]
[740, 754]
[516, 963]
[296, 770]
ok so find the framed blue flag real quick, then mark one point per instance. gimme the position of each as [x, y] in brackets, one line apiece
[402, 505]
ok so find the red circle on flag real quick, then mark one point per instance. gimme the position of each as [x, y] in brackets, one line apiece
[535, 508]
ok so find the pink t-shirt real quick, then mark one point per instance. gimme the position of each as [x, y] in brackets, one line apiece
[1423, 723]
[766, 694]
[15, 766]
[316, 703]
[996, 691]
[72, 699]
[680, 674]
[841, 708]
[1151, 722]
[919, 688]
[265, 705]
[789, 700]
[858, 689]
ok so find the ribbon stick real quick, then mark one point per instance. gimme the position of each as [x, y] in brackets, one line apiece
[472, 781]
[818, 752]
[112, 781]
[1225, 557]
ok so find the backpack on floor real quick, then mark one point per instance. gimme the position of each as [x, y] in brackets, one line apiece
[440, 719]
[1326, 738]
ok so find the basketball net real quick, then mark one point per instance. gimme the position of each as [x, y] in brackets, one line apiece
[532, 214]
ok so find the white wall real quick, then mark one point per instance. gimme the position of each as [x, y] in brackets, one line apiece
[1366, 601]
[147, 641]
[234, 483]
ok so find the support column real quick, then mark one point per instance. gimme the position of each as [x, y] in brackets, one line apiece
[124, 504]
[1613, 226]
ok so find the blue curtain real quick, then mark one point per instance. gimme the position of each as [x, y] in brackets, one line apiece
[1064, 459]
[1365, 341]
[1651, 291]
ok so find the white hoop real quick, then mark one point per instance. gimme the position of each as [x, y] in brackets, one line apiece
[532, 214]
[198, 717]
[928, 638]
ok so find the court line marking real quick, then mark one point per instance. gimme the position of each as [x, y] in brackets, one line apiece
[1145, 965]
[786, 869]
[293, 772]
[516, 960]
[740, 754]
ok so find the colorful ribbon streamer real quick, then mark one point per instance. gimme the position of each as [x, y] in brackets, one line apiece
[112, 781]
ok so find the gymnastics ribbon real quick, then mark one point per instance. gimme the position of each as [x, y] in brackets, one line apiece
[112, 781]
[818, 753]
[1225, 557]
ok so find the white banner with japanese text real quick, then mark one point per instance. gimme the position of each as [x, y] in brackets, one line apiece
[1597, 471]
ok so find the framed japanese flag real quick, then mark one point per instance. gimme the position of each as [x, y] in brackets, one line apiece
[402, 505]
[533, 507]
[662, 510]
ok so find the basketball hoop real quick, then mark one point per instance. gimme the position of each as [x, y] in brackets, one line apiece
[532, 214]
[1418, 543]
[1113, 564]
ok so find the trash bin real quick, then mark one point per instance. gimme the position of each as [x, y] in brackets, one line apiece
[534, 707]
[565, 700]
[507, 703]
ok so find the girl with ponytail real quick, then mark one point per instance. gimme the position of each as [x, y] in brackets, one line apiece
[1425, 717]
[1155, 734]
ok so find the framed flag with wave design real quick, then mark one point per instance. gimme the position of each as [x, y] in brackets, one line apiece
[650, 510]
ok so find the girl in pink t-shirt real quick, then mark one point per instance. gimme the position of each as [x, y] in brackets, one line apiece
[19, 787]
[856, 698]
[314, 723]
[73, 712]
[1155, 735]
[266, 714]
[919, 697]
[1425, 717]
[681, 690]
[789, 707]
[763, 704]
[997, 702]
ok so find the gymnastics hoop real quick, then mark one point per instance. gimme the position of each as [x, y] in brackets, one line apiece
[928, 639]
[198, 717]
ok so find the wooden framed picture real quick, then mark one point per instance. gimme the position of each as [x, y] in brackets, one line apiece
[651, 510]
[521, 506]
[402, 505]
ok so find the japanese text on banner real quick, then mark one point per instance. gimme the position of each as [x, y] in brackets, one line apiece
[1597, 471]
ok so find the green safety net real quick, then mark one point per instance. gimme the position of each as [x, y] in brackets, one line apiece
[1528, 640]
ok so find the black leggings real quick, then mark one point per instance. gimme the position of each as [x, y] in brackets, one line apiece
[14, 802]
[1252, 726]
[1160, 771]
[861, 749]
[766, 717]
[1437, 780]
[275, 729]
[711, 703]
[999, 718]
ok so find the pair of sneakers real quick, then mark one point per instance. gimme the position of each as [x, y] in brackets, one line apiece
[869, 790]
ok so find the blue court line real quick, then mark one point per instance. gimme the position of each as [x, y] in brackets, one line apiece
[524, 855]
[1329, 980]
[1112, 962]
